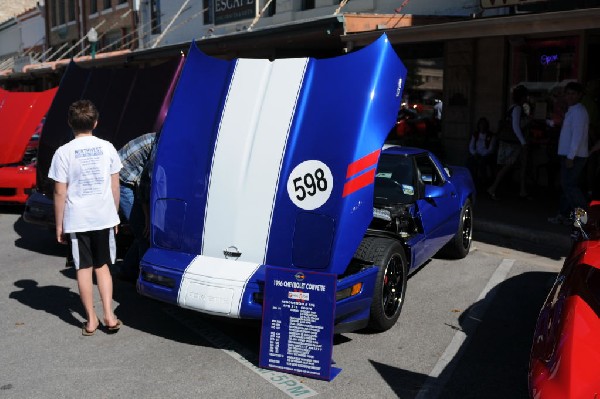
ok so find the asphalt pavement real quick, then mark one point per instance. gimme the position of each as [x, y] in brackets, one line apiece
[453, 310]
[45, 355]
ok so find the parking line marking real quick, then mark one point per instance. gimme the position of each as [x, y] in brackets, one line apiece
[434, 383]
[282, 381]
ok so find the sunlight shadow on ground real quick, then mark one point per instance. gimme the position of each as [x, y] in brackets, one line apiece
[493, 360]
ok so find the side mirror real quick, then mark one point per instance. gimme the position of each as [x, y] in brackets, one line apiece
[432, 191]
[580, 216]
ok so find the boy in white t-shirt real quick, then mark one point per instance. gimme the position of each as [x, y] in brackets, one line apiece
[86, 199]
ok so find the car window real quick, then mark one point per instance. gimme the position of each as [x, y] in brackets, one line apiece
[428, 172]
[395, 179]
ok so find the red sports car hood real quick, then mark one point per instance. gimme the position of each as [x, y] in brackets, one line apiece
[574, 372]
[565, 357]
[20, 115]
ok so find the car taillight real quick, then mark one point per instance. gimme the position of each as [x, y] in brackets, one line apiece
[158, 279]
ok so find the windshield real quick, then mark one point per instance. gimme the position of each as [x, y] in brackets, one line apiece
[394, 180]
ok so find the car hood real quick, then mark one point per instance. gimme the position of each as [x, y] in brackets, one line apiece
[565, 353]
[20, 115]
[274, 161]
[131, 101]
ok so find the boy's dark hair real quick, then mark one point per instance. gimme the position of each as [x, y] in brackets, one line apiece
[82, 116]
[574, 86]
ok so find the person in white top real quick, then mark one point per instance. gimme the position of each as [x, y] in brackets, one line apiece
[86, 199]
[482, 148]
[573, 153]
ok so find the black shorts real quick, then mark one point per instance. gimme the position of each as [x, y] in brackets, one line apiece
[93, 248]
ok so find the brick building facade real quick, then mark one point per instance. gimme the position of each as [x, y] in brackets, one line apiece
[68, 22]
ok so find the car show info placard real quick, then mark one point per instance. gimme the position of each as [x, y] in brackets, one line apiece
[297, 323]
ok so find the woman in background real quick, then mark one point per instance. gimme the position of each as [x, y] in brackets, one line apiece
[514, 147]
[482, 148]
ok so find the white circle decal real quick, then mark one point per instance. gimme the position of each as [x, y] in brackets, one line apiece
[309, 185]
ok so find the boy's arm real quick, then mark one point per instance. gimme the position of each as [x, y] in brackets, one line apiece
[60, 198]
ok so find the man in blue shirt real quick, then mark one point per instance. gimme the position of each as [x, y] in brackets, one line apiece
[573, 153]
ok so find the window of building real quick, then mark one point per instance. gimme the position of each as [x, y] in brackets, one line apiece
[155, 17]
[53, 17]
[106, 4]
[93, 6]
[123, 1]
[547, 61]
[61, 12]
[207, 11]
[272, 8]
[544, 66]
[308, 4]
[421, 109]
[112, 40]
[71, 10]
[127, 40]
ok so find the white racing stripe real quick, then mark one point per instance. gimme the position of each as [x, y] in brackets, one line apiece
[247, 158]
[215, 286]
[449, 359]
[250, 145]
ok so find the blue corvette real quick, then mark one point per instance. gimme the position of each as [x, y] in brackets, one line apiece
[253, 168]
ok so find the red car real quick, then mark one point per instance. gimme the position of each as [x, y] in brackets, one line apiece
[565, 358]
[415, 119]
[21, 121]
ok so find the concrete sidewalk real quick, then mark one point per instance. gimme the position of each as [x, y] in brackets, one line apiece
[526, 220]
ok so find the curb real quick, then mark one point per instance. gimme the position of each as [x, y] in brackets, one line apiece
[511, 231]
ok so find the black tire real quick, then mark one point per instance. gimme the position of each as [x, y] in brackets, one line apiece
[458, 247]
[390, 285]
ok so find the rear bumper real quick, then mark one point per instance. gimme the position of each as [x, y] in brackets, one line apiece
[39, 209]
[235, 289]
[209, 285]
[16, 183]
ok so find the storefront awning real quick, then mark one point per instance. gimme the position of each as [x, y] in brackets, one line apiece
[527, 24]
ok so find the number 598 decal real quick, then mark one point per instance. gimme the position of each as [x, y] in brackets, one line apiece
[309, 185]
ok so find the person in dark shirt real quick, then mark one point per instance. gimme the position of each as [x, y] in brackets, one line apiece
[134, 156]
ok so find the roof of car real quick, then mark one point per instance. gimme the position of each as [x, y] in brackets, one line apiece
[401, 150]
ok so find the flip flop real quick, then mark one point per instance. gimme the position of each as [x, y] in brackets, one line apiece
[87, 333]
[115, 328]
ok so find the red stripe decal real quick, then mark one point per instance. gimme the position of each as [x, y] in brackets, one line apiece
[362, 164]
[359, 182]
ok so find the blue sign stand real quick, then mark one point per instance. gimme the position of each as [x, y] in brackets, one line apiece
[297, 323]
